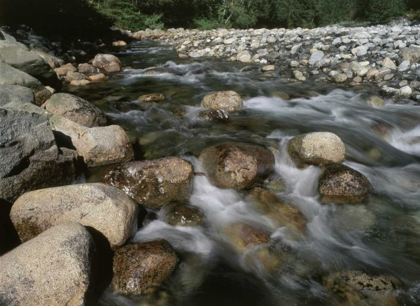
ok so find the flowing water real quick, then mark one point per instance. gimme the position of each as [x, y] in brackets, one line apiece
[381, 236]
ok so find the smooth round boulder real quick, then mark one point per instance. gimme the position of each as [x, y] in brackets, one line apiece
[154, 97]
[105, 208]
[319, 148]
[153, 183]
[54, 268]
[75, 109]
[97, 146]
[180, 214]
[107, 62]
[342, 184]
[87, 69]
[224, 100]
[236, 165]
[141, 268]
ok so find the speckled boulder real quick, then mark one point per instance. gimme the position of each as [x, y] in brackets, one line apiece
[320, 148]
[214, 115]
[102, 207]
[180, 214]
[226, 100]
[342, 184]
[244, 236]
[236, 165]
[107, 62]
[75, 109]
[153, 183]
[358, 288]
[54, 268]
[141, 268]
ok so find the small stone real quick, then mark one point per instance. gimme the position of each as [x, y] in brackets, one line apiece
[268, 68]
[119, 43]
[404, 66]
[340, 78]
[154, 97]
[406, 91]
[223, 100]
[375, 101]
[244, 57]
[299, 75]
[388, 63]
[79, 82]
[97, 77]
[388, 76]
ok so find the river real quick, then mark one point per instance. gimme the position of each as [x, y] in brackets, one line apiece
[381, 236]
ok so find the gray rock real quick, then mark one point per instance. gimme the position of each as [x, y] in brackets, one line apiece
[244, 57]
[214, 115]
[411, 54]
[15, 94]
[316, 58]
[107, 62]
[31, 63]
[319, 148]
[236, 165]
[153, 183]
[75, 109]
[12, 76]
[54, 268]
[98, 145]
[404, 66]
[102, 207]
[388, 63]
[75, 76]
[30, 158]
[87, 69]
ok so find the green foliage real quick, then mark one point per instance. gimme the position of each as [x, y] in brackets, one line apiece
[380, 11]
[207, 23]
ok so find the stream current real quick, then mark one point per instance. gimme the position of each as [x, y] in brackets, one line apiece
[381, 236]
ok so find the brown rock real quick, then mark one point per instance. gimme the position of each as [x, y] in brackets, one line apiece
[179, 214]
[62, 71]
[75, 76]
[119, 43]
[236, 165]
[79, 82]
[141, 268]
[244, 236]
[153, 183]
[226, 100]
[214, 115]
[107, 62]
[342, 184]
[98, 77]
[87, 69]
[154, 97]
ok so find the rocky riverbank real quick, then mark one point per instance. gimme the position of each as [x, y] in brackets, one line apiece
[73, 240]
[385, 55]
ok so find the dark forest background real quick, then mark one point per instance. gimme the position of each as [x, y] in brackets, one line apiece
[90, 17]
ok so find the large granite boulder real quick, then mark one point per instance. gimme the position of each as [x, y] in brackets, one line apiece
[30, 157]
[75, 109]
[15, 94]
[108, 63]
[223, 100]
[31, 63]
[54, 268]
[105, 208]
[236, 165]
[141, 268]
[12, 76]
[153, 183]
[342, 184]
[320, 148]
[97, 146]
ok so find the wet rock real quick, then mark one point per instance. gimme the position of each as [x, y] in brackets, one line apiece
[180, 214]
[342, 184]
[75, 76]
[244, 57]
[107, 62]
[31, 63]
[87, 69]
[119, 43]
[268, 68]
[388, 63]
[340, 77]
[375, 101]
[223, 100]
[214, 115]
[97, 77]
[12, 76]
[98, 145]
[54, 268]
[281, 214]
[62, 70]
[79, 82]
[102, 207]
[153, 183]
[154, 97]
[141, 268]
[358, 288]
[319, 148]
[30, 157]
[152, 72]
[244, 236]
[236, 165]
[15, 94]
[299, 75]
[75, 109]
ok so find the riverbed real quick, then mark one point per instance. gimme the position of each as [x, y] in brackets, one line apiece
[378, 237]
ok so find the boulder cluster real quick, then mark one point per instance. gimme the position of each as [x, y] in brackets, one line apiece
[385, 55]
